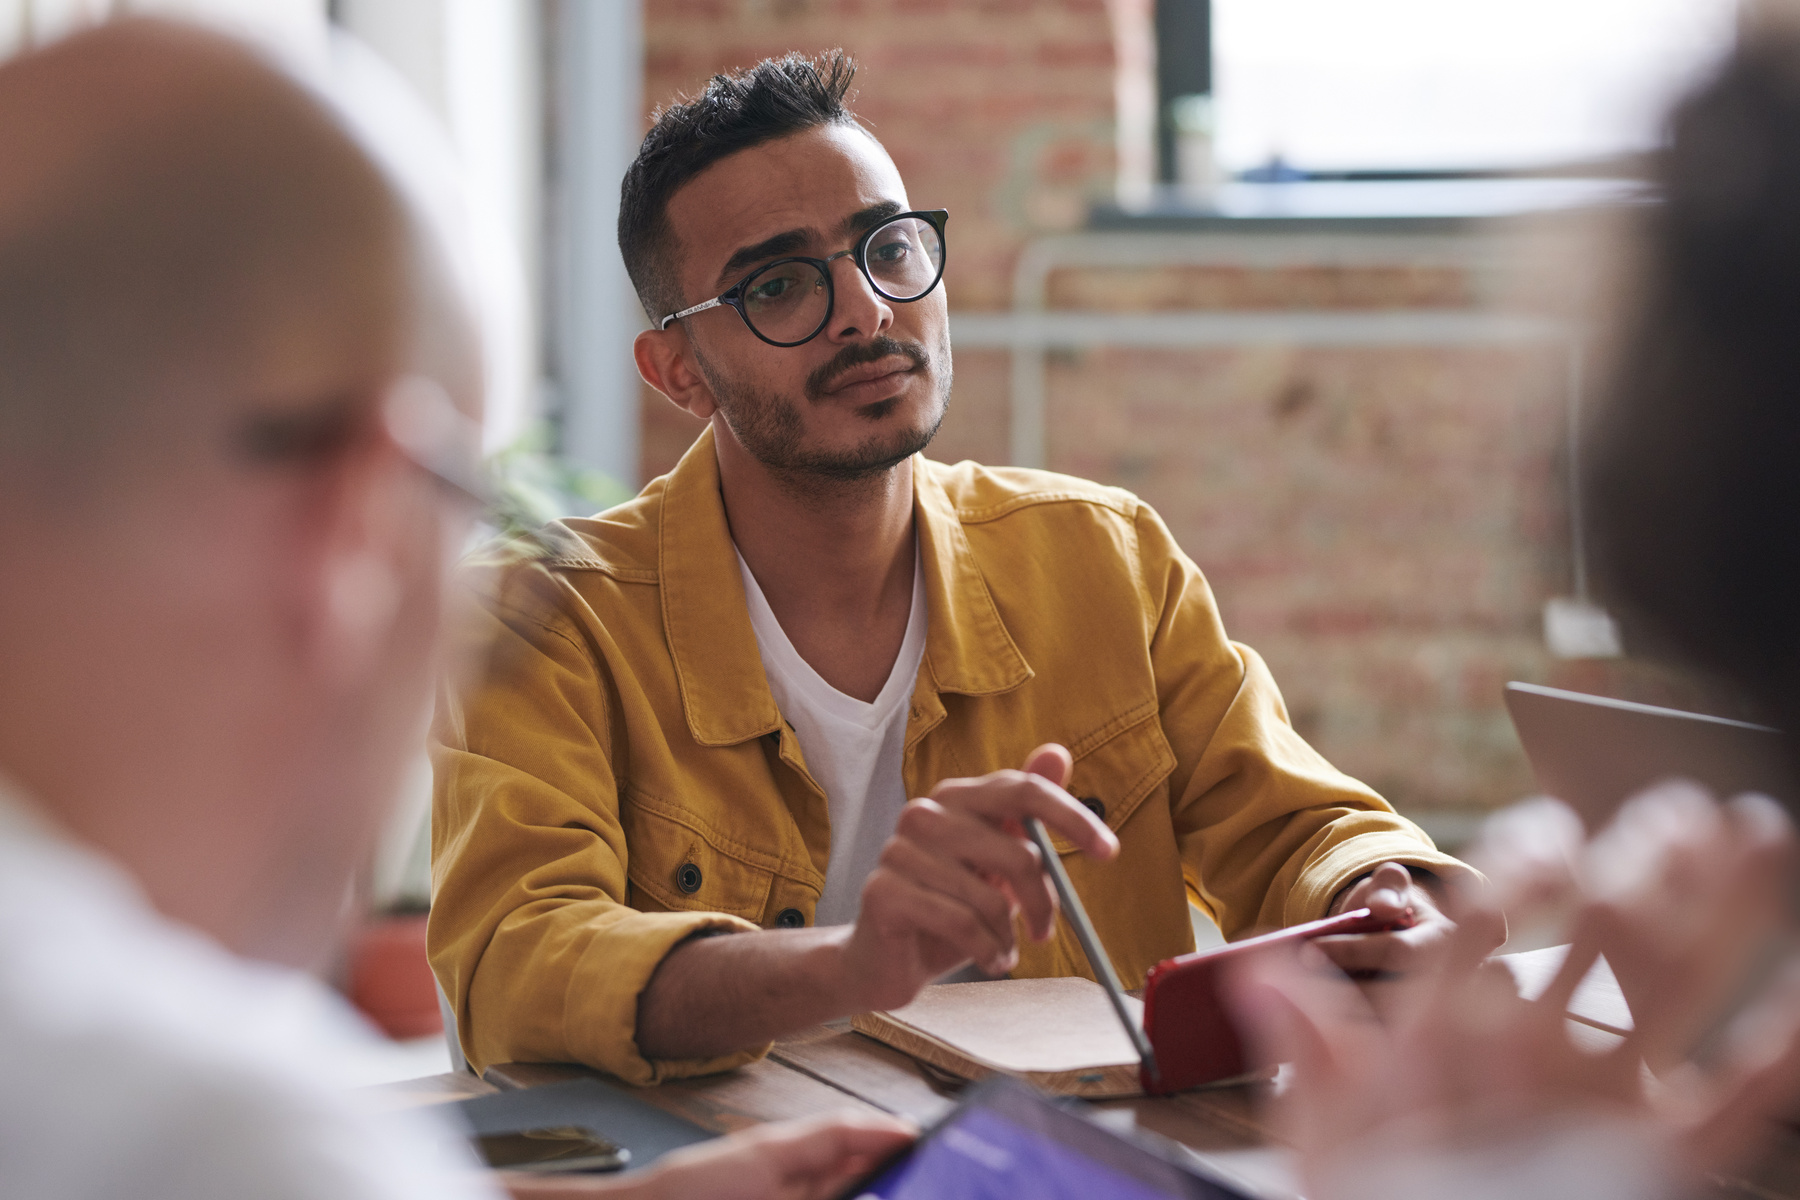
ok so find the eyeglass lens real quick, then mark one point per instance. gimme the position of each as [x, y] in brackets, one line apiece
[789, 302]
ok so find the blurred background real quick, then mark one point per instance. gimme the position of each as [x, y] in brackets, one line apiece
[1313, 278]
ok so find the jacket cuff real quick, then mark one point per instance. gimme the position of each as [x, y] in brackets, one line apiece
[600, 1010]
[1341, 865]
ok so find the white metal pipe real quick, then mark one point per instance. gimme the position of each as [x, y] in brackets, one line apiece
[1031, 333]
[1029, 329]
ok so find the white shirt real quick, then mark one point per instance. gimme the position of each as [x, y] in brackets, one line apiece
[139, 1059]
[852, 749]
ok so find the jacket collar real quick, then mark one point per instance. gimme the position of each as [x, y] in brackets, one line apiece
[724, 691]
[717, 667]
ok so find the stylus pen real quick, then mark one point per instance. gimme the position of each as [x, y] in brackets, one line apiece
[1090, 943]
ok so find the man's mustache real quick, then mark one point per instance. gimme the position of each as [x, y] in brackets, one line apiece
[866, 352]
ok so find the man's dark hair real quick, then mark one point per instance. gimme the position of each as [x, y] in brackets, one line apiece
[775, 98]
[1694, 485]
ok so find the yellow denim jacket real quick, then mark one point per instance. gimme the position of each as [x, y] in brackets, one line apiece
[617, 777]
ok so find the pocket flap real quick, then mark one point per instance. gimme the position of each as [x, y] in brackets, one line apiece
[1119, 772]
[676, 864]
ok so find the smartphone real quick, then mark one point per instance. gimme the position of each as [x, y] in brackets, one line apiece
[551, 1148]
[1006, 1139]
[1189, 1024]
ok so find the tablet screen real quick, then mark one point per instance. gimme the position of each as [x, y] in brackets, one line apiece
[1006, 1141]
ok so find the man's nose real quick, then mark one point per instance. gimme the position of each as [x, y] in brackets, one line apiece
[858, 311]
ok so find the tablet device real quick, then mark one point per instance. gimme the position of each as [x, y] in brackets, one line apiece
[1006, 1140]
[1594, 753]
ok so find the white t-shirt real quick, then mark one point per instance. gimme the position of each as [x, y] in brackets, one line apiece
[140, 1059]
[852, 749]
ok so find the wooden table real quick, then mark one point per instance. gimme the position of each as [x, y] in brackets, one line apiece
[829, 1068]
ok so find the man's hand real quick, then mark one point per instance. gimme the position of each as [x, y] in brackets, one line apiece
[956, 873]
[1465, 1088]
[1395, 897]
[951, 880]
[794, 1160]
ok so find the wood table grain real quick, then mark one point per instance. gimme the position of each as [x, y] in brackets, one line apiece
[830, 1068]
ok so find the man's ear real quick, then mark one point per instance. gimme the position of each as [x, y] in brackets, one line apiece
[665, 360]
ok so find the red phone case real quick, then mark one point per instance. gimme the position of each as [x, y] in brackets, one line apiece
[1190, 1030]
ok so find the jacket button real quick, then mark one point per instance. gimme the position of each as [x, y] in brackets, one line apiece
[1094, 805]
[790, 918]
[687, 878]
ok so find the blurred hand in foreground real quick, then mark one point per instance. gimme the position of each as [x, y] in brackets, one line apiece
[794, 1160]
[1467, 1089]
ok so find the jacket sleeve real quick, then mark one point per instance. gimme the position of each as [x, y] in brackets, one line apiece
[1269, 831]
[530, 934]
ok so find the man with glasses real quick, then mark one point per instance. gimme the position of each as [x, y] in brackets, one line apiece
[787, 692]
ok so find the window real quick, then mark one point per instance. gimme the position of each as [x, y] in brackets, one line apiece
[1448, 85]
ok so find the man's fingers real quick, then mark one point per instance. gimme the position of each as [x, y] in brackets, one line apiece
[1760, 1084]
[1006, 798]
[901, 906]
[955, 880]
[810, 1158]
[1765, 846]
[1762, 824]
[954, 837]
[1365, 953]
[1304, 1015]
[1429, 940]
[1580, 959]
[826, 1147]
[523, 1186]
[1627, 860]
[1385, 893]
[1261, 996]
[1052, 761]
[1389, 876]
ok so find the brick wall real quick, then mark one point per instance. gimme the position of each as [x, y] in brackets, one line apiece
[1383, 524]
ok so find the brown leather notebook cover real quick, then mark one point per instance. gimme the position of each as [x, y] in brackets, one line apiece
[1060, 1034]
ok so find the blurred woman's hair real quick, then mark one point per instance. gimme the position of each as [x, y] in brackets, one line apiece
[1693, 485]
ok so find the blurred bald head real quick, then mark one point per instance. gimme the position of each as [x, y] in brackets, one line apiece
[224, 565]
[196, 259]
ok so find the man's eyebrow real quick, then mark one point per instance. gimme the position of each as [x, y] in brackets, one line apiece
[790, 242]
[794, 240]
[870, 217]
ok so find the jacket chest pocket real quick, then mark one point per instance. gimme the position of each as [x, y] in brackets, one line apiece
[1116, 777]
[676, 865]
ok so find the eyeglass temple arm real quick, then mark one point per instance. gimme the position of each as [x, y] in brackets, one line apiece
[688, 312]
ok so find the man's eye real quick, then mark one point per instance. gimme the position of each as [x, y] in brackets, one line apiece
[893, 251]
[771, 289]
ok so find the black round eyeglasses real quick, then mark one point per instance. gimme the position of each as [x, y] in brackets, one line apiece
[788, 302]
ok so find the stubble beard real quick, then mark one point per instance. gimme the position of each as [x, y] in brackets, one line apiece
[771, 427]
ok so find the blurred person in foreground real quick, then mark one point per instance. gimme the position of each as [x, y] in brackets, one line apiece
[1694, 489]
[234, 383]
[786, 693]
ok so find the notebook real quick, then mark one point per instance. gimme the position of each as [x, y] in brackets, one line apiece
[1058, 1034]
[1064, 1036]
